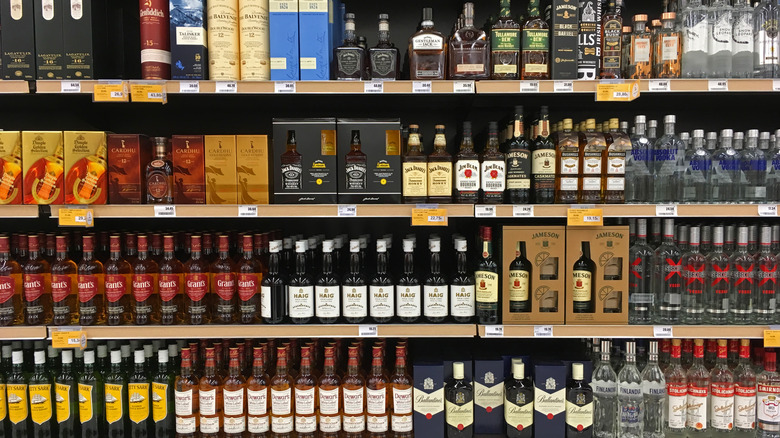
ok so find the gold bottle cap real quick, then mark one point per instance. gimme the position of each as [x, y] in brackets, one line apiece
[640, 17]
[614, 124]
[590, 124]
[568, 124]
[667, 16]
[627, 29]
[657, 23]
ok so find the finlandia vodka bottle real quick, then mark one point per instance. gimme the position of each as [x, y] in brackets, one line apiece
[765, 305]
[719, 16]
[640, 291]
[630, 400]
[604, 383]
[718, 278]
[696, 180]
[667, 277]
[742, 40]
[767, 398]
[753, 167]
[695, 33]
[722, 389]
[743, 283]
[668, 161]
[698, 391]
[639, 166]
[766, 40]
[744, 394]
[693, 263]
[773, 171]
[654, 396]
[726, 171]
[677, 394]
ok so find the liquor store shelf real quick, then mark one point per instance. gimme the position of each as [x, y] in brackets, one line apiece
[22, 332]
[624, 331]
[19, 211]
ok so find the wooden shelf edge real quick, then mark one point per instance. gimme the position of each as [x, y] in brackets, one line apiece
[21, 332]
[14, 87]
[634, 331]
[19, 211]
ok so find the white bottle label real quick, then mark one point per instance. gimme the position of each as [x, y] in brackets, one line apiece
[209, 424]
[301, 301]
[353, 402]
[329, 401]
[234, 425]
[720, 38]
[579, 417]
[401, 423]
[355, 424]
[304, 401]
[695, 38]
[745, 407]
[186, 425]
[678, 405]
[697, 408]
[355, 301]
[494, 176]
[766, 48]
[742, 34]
[258, 424]
[183, 402]
[381, 301]
[328, 301]
[569, 184]
[642, 50]
[257, 401]
[233, 402]
[330, 424]
[408, 301]
[208, 402]
[766, 403]
[402, 401]
[435, 300]
[377, 424]
[376, 401]
[467, 175]
[722, 409]
[462, 301]
[670, 50]
[591, 183]
[265, 301]
[282, 424]
[281, 402]
[591, 165]
[305, 424]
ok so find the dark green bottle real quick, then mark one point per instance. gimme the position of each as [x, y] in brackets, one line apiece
[4, 427]
[18, 406]
[115, 397]
[139, 398]
[41, 395]
[162, 397]
[90, 398]
[66, 397]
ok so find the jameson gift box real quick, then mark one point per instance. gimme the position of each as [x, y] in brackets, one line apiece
[252, 166]
[85, 164]
[18, 39]
[221, 169]
[44, 166]
[189, 179]
[128, 155]
[11, 162]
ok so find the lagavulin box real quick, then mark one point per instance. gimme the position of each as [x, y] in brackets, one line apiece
[549, 399]
[85, 166]
[42, 156]
[221, 169]
[565, 29]
[189, 179]
[188, 40]
[49, 62]
[252, 167]
[314, 46]
[83, 32]
[429, 399]
[254, 39]
[11, 165]
[589, 47]
[128, 155]
[283, 23]
[489, 396]
[18, 39]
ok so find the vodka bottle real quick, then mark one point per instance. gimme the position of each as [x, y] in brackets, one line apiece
[639, 166]
[753, 167]
[726, 171]
[742, 275]
[742, 40]
[775, 239]
[729, 243]
[698, 390]
[677, 393]
[682, 238]
[744, 394]
[604, 383]
[706, 239]
[666, 354]
[667, 277]
[653, 395]
[766, 40]
[696, 180]
[652, 131]
[773, 171]
[719, 16]
[712, 142]
[767, 394]
[739, 141]
[640, 291]
[668, 160]
[695, 29]
[655, 235]
[722, 394]
[718, 280]
[630, 399]
[764, 308]
[753, 240]
[693, 263]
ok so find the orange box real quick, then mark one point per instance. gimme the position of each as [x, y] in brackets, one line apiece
[189, 177]
[11, 164]
[252, 167]
[221, 180]
[44, 166]
[86, 180]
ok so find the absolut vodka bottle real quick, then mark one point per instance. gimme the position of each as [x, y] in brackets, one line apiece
[667, 277]
[718, 278]
[653, 395]
[639, 166]
[743, 281]
[726, 171]
[695, 29]
[604, 383]
[719, 17]
[640, 291]
[630, 400]
[669, 159]
[696, 180]
[753, 167]
[693, 263]
[764, 308]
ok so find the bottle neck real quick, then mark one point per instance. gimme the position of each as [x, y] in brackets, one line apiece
[462, 262]
[381, 263]
[409, 263]
[273, 263]
[327, 263]
[300, 263]
[669, 128]
[354, 263]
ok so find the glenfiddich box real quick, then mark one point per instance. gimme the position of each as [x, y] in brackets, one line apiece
[549, 399]
[589, 47]
[49, 62]
[379, 182]
[489, 396]
[315, 40]
[85, 164]
[18, 39]
[429, 399]
[128, 155]
[254, 38]
[42, 157]
[189, 179]
[188, 40]
[252, 167]
[221, 180]
[11, 165]
[222, 23]
[608, 290]
[544, 286]
[283, 24]
[309, 174]
[565, 30]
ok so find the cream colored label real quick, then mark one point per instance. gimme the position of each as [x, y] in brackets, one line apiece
[488, 396]
[641, 50]
[579, 417]
[487, 286]
[550, 404]
[40, 403]
[518, 285]
[432, 403]
[278, 63]
[459, 417]
[283, 6]
[439, 179]
[415, 179]
[223, 40]
[581, 286]
[500, 68]
[254, 40]
[308, 63]
[543, 162]
[671, 48]
[519, 417]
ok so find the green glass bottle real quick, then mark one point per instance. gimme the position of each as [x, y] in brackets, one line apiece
[4, 427]
[66, 397]
[18, 410]
[41, 394]
[162, 396]
[90, 398]
[115, 396]
[139, 400]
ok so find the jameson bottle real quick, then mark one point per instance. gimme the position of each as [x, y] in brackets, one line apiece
[90, 388]
[66, 397]
[543, 162]
[518, 163]
[520, 281]
[583, 274]
[486, 279]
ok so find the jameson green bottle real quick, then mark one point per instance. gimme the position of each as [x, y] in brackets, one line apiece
[115, 396]
[162, 397]
[18, 410]
[138, 393]
[41, 394]
[66, 397]
[90, 398]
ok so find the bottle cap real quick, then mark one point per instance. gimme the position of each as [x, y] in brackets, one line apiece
[639, 119]
[18, 357]
[576, 371]
[139, 356]
[162, 356]
[173, 350]
[275, 246]
[698, 133]
[40, 357]
[457, 370]
[727, 133]
[300, 246]
[148, 350]
[67, 356]
[327, 246]
[668, 16]
[116, 356]
[640, 17]
[408, 245]
[461, 245]
[354, 245]
[671, 118]
[764, 135]
[381, 245]
[52, 352]
[427, 14]
[518, 370]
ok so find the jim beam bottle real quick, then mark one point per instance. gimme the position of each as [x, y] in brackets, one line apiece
[467, 170]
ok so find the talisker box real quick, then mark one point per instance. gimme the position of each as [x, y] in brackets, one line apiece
[252, 159]
[544, 286]
[42, 156]
[49, 60]
[380, 182]
[315, 40]
[549, 399]
[429, 399]
[18, 39]
[221, 180]
[589, 47]
[11, 164]
[188, 40]
[85, 164]
[128, 156]
[284, 37]
[308, 172]
[189, 178]
[564, 31]
[489, 396]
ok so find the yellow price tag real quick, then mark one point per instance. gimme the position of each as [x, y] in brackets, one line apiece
[436, 217]
[71, 339]
[76, 217]
[591, 217]
[110, 93]
[772, 338]
[154, 93]
[617, 92]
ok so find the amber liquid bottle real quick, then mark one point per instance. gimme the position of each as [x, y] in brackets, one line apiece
[377, 387]
[36, 275]
[249, 273]
[440, 170]
[258, 420]
[593, 148]
[281, 397]
[210, 398]
[611, 43]
[535, 56]
[64, 286]
[170, 284]
[234, 398]
[306, 398]
[187, 397]
[356, 164]
[196, 286]
[583, 275]
[91, 287]
[118, 274]
[467, 170]
[415, 169]
[223, 284]
[146, 298]
[543, 161]
[353, 387]
[493, 169]
[329, 397]
[10, 286]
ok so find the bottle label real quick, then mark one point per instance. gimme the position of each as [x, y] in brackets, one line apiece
[543, 164]
[330, 424]
[265, 301]
[720, 38]
[519, 416]
[186, 425]
[611, 44]
[234, 425]
[486, 286]
[742, 36]
[17, 403]
[488, 397]
[632, 413]
[435, 301]
[116, 287]
[356, 176]
[570, 184]
[291, 176]
[401, 423]
[169, 286]
[208, 402]
[114, 395]
[224, 285]
[591, 162]
[428, 403]
[616, 184]
[641, 50]
[505, 40]
[258, 424]
[257, 402]
[616, 163]
[722, 413]
[376, 401]
[767, 403]
[440, 179]
[196, 286]
[581, 286]
[551, 404]
[518, 169]
[570, 163]
[467, 175]
[355, 301]
[427, 42]
[381, 301]
[697, 407]
[518, 285]
[462, 301]
[745, 407]
[143, 287]
[493, 176]
[354, 424]
[305, 424]
[34, 287]
[695, 37]
[415, 179]
[85, 403]
[353, 402]
[579, 417]
[604, 388]
[329, 401]
[138, 402]
[209, 424]
[327, 301]
[183, 402]
[377, 424]
[383, 63]
[247, 286]
[60, 288]
[304, 401]
[159, 401]
[281, 402]
[40, 403]
[459, 416]
[233, 402]
[408, 302]
[591, 184]
[670, 50]
[402, 401]
[301, 301]
[4, 402]
[536, 40]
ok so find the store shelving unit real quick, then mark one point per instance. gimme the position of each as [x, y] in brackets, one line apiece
[626, 331]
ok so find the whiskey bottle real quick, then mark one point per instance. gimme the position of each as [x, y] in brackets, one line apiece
[698, 379]
[66, 397]
[381, 291]
[117, 285]
[354, 289]
[486, 278]
[493, 169]
[579, 405]
[41, 396]
[170, 284]
[520, 281]
[36, 274]
[518, 403]
[440, 170]
[301, 288]
[163, 400]
[139, 397]
[543, 161]
[640, 63]
[427, 51]
[567, 183]
[408, 296]
[209, 397]
[462, 299]
[159, 175]
[196, 286]
[614, 178]
[668, 47]
[17, 394]
[156, 248]
[505, 45]
[469, 50]
[435, 289]
[356, 164]
[353, 388]
[281, 396]
[64, 286]
[115, 397]
[292, 167]
[384, 58]
[273, 290]
[146, 297]
[305, 397]
[415, 169]
[223, 284]
[401, 397]
[611, 41]
[349, 58]
[377, 386]
[186, 395]
[467, 170]
[329, 400]
[459, 404]
[233, 398]
[518, 163]
[583, 273]
[535, 57]
[11, 181]
[258, 420]
[249, 273]
[327, 294]
[11, 284]
[592, 156]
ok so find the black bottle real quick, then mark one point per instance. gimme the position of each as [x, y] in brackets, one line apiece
[382, 292]
[487, 284]
[582, 281]
[462, 305]
[520, 271]
[435, 293]
[301, 288]
[518, 403]
[326, 300]
[518, 163]
[579, 405]
[408, 296]
[354, 290]
[273, 297]
[459, 404]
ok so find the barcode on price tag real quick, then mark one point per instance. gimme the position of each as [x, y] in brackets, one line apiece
[662, 331]
[718, 85]
[464, 87]
[373, 87]
[226, 87]
[164, 211]
[484, 211]
[247, 211]
[347, 210]
[70, 87]
[767, 210]
[368, 331]
[563, 86]
[659, 85]
[422, 87]
[543, 331]
[666, 210]
[494, 331]
[529, 86]
[189, 87]
[523, 211]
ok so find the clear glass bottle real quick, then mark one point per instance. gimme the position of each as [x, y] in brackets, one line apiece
[698, 172]
[726, 162]
[639, 165]
[743, 281]
[694, 264]
[668, 162]
[677, 393]
[698, 379]
[764, 307]
[427, 51]
[667, 278]
[718, 280]
[469, 49]
[695, 30]
[350, 58]
[630, 399]
[766, 40]
[742, 40]
[721, 416]
[744, 394]
[766, 401]
[653, 395]
[604, 384]
[753, 167]
[719, 18]
[640, 290]
[668, 48]
[640, 63]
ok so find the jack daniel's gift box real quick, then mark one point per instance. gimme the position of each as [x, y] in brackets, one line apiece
[304, 170]
[372, 176]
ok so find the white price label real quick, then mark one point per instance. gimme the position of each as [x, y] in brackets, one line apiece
[437, 218]
[347, 210]
[494, 331]
[70, 87]
[284, 87]
[621, 94]
[529, 86]
[659, 85]
[718, 85]
[247, 211]
[767, 210]
[591, 218]
[666, 210]
[543, 331]
[117, 94]
[563, 86]
[662, 331]
[368, 331]
[422, 87]
[485, 211]
[464, 87]
[164, 211]
[226, 87]
[776, 85]
[191, 87]
[374, 87]
[523, 211]
[154, 96]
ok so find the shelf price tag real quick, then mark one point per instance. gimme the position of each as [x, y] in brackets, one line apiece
[543, 331]
[164, 211]
[523, 211]
[76, 217]
[484, 211]
[436, 217]
[718, 85]
[110, 92]
[69, 337]
[154, 93]
[494, 331]
[463, 87]
[373, 87]
[70, 87]
[368, 331]
[617, 91]
[247, 211]
[529, 86]
[422, 87]
[659, 85]
[776, 85]
[189, 87]
[563, 86]
[767, 210]
[347, 210]
[666, 210]
[592, 217]
[226, 87]
[772, 338]
[662, 331]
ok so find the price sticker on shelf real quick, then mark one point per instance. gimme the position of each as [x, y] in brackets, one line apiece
[718, 85]
[659, 85]
[189, 87]
[529, 86]
[226, 87]
[284, 87]
[368, 331]
[76, 217]
[563, 86]
[767, 210]
[662, 331]
[543, 331]
[422, 87]
[373, 87]
[463, 87]
[772, 338]
[776, 85]
[484, 211]
[523, 211]
[154, 93]
[666, 210]
[347, 210]
[247, 211]
[589, 217]
[164, 211]
[621, 91]
[69, 337]
[436, 217]
[494, 331]
[70, 87]
[110, 92]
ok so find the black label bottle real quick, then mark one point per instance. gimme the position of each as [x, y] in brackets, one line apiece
[273, 292]
[459, 404]
[115, 398]
[408, 298]
[579, 405]
[520, 281]
[90, 387]
[435, 293]
[328, 296]
[66, 397]
[354, 289]
[41, 396]
[381, 291]
[462, 300]
[301, 288]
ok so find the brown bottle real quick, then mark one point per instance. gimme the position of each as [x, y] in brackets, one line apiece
[377, 418]
[305, 398]
[170, 284]
[186, 389]
[210, 395]
[281, 396]
[292, 165]
[440, 170]
[146, 297]
[10, 286]
[356, 164]
[234, 396]
[353, 387]
[401, 397]
[611, 42]
[118, 279]
[91, 286]
[258, 420]
[415, 169]
[196, 286]
[223, 284]
[64, 285]
[36, 274]
[250, 274]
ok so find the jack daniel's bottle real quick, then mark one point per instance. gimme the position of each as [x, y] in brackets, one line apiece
[356, 164]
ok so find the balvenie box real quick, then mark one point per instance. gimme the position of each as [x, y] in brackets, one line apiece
[18, 39]
[382, 177]
[565, 30]
[313, 179]
[42, 156]
[254, 40]
[85, 164]
[546, 250]
[49, 62]
[609, 284]
[589, 47]
[188, 40]
[429, 399]
[489, 396]
[128, 156]
[315, 40]
[11, 165]
[221, 169]
[283, 24]
[252, 167]
[549, 399]
[84, 39]
[189, 178]
[222, 23]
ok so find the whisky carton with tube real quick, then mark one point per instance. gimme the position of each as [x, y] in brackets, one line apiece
[49, 62]
[86, 179]
[549, 399]
[44, 167]
[128, 155]
[11, 163]
[189, 178]
[18, 39]
[221, 180]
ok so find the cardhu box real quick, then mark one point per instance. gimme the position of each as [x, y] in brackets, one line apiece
[11, 162]
[86, 166]
[589, 47]
[188, 40]
[564, 28]
[221, 178]
[315, 40]
[44, 165]
[305, 167]
[49, 62]
[252, 168]
[598, 294]
[283, 24]
[189, 172]
[489, 396]
[549, 399]
[18, 39]
[429, 399]
[128, 155]
[374, 175]
[534, 296]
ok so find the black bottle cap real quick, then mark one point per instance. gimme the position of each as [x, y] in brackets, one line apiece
[427, 14]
